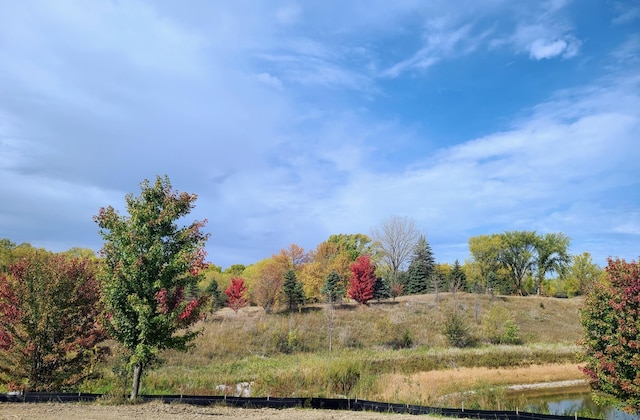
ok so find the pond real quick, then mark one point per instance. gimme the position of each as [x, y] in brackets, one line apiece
[568, 403]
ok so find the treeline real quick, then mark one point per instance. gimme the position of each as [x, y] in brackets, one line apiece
[512, 262]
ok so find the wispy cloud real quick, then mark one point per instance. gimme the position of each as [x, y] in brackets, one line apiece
[626, 13]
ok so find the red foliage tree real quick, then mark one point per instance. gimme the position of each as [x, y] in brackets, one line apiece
[612, 334]
[362, 279]
[236, 294]
[49, 307]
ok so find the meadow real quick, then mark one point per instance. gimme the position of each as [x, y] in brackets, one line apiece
[393, 350]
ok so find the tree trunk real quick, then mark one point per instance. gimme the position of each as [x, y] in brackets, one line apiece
[137, 373]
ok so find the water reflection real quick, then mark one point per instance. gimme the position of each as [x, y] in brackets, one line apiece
[568, 404]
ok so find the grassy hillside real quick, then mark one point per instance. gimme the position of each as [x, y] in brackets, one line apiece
[373, 347]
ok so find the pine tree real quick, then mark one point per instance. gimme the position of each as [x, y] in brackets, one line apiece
[381, 289]
[293, 290]
[457, 279]
[421, 267]
[332, 288]
[218, 299]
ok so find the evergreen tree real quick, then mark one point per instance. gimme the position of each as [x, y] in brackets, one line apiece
[292, 289]
[421, 267]
[218, 299]
[332, 288]
[381, 289]
[457, 279]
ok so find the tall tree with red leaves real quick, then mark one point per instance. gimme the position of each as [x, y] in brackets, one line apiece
[362, 280]
[49, 309]
[236, 294]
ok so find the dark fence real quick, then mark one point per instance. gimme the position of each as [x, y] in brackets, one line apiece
[267, 402]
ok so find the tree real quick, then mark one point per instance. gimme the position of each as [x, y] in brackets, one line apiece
[485, 252]
[269, 280]
[421, 267]
[381, 289]
[611, 325]
[396, 237]
[236, 294]
[353, 245]
[362, 280]
[235, 269]
[552, 256]
[49, 309]
[518, 255]
[11, 253]
[218, 299]
[582, 274]
[297, 256]
[332, 288]
[293, 291]
[457, 278]
[148, 264]
[333, 255]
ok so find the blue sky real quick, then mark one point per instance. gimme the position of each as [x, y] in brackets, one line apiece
[295, 120]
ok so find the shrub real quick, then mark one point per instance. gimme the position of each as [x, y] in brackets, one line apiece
[456, 329]
[401, 341]
[498, 326]
[611, 340]
[343, 376]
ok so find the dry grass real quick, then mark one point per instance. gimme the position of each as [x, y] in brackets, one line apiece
[251, 331]
[432, 385]
[287, 354]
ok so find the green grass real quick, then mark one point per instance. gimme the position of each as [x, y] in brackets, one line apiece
[287, 355]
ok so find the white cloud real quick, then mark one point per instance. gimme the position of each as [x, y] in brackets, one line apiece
[540, 49]
[269, 80]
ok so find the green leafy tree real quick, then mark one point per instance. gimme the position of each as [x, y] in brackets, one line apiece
[518, 256]
[6, 257]
[552, 256]
[292, 289]
[421, 268]
[148, 263]
[11, 253]
[49, 309]
[582, 274]
[485, 251]
[354, 244]
[611, 343]
[235, 269]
